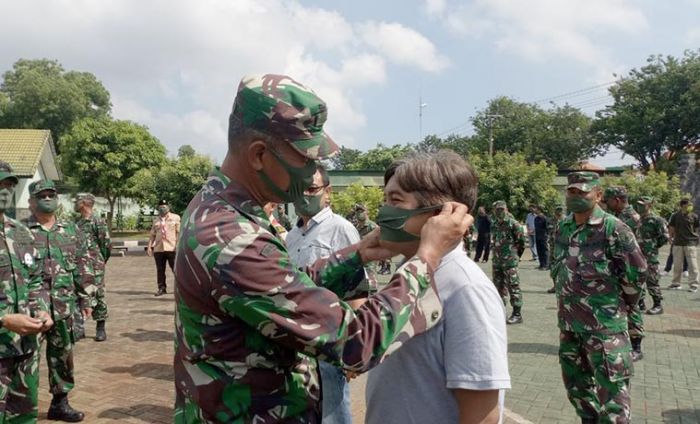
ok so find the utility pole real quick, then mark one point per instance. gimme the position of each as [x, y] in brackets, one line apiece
[491, 117]
[421, 105]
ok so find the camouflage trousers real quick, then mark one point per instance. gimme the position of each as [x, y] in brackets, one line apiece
[99, 312]
[59, 356]
[19, 389]
[653, 286]
[507, 282]
[635, 320]
[596, 369]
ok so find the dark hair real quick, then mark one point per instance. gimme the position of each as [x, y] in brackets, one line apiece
[435, 178]
[239, 135]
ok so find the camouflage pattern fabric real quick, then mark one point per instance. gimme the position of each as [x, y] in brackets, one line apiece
[21, 292]
[249, 323]
[636, 321]
[652, 235]
[96, 231]
[364, 228]
[507, 244]
[59, 356]
[599, 272]
[596, 369]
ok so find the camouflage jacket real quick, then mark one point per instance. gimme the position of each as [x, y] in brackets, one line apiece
[249, 323]
[365, 227]
[652, 234]
[67, 269]
[630, 217]
[552, 235]
[507, 241]
[598, 271]
[99, 242]
[21, 291]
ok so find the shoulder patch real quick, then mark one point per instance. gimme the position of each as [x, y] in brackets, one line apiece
[268, 250]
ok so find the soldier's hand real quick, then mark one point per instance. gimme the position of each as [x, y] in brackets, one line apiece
[21, 324]
[349, 375]
[46, 321]
[371, 250]
[442, 232]
[87, 313]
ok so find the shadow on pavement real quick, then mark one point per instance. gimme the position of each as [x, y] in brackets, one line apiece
[681, 415]
[683, 332]
[547, 349]
[155, 312]
[151, 298]
[130, 292]
[147, 410]
[152, 370]
[142, 335]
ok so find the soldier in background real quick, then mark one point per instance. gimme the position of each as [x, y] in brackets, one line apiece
[554, 223]
[69, 279]
[282, 218]
[598, 270]
[652, 235]
[616, 200]
[24, 312]
[508, 245]
[97, 232]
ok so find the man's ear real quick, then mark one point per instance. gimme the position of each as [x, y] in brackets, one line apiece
[255, 152]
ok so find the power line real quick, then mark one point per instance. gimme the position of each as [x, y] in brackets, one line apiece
[575, 93]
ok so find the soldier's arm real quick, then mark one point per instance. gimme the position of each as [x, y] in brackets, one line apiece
[258, 284]
[104, 240]
[628, 264]
[663, 236]
[84, 273]
[39, 299]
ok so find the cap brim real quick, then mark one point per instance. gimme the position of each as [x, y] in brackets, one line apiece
[581, 186]
[7, 176]
[316, 148]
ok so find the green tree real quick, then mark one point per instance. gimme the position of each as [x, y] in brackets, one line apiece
[657, 184]
[372, 197]
[560, 135]
[103, 156]
[379, 158]
[463, 146]
[511, 178]
[344, 158]
[655, 109]
[41, 94]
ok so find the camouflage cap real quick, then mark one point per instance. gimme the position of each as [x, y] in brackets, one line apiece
[38, 186]
[6, 172]
[279, 106]
[583, 180]
[85, 196]
[615, 191]
[559, 208]
[360, 207]
[499, 204]
[645, 200]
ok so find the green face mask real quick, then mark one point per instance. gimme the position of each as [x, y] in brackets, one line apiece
[579, 204]
[299, 179]
[500, 214]
[163, 210]
[361, 216]
[47, 205]
[391, 220]
[308, 205]
[640, 209]
[6, 199]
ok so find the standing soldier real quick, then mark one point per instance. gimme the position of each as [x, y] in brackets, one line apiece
[95, 229]
[553, 230]
[364, 226]
[615, 199]
[508, 245]
[283, 218]
[653, 233]
[598, 270]
[67, 273]
[24, 312]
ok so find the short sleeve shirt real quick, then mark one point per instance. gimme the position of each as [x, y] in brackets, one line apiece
[686, 229]
[166, 230]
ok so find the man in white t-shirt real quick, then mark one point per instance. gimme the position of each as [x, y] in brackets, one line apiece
[457, 371]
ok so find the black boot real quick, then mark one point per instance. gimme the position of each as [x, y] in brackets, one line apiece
[637, 349]
[642, 305]
[516, 318]
[657, 309]
[100, 333]
[60, 410]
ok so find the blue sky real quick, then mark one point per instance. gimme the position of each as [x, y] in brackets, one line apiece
[174, 65]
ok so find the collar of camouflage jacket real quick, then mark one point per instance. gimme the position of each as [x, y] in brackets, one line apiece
[595, 219]
[33, 223]
[233, 193]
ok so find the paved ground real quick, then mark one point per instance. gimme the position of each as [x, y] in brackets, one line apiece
[128, 379]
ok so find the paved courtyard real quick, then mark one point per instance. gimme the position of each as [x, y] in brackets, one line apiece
[128, 378]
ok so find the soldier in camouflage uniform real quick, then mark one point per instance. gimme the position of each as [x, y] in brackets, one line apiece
[24, 312]
[507, 246]
[552, 228]
[598, 270]
[100, 247]
[616, 200]
[69, 279]
[249, 324]
[652, 235]
[364, 226]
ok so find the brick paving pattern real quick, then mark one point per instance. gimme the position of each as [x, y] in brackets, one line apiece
[128, 378]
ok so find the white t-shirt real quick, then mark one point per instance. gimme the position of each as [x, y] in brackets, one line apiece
[468, 349]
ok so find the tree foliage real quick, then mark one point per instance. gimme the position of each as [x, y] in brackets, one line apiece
[378, 158]
[41, 94]
[372, 197]
[665, 191]
[655, 109]
[511, 178]
[103, 155]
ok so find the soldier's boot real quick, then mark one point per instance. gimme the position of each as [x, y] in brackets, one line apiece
[657, 309]
[642, 305]
[516, 318]
[100, 333]
[637, 354]
[60, 410]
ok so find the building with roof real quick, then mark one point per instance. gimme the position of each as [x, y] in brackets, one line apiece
[32, 155]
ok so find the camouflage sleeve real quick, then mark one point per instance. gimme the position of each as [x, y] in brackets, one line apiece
[628, 263]
[104, 240]
[84, 273]
[663, 237]
[258, 284]
[39, 299]
[519, 236]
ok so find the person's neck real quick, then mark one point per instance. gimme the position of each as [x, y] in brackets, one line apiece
[240, 171]
[583, 217]
[305, 220]
[47, 220]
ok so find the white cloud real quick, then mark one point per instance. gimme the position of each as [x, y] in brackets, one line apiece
[435, 7]
[546, 30]
[174, 65]
[692, 36]
[403, 45]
